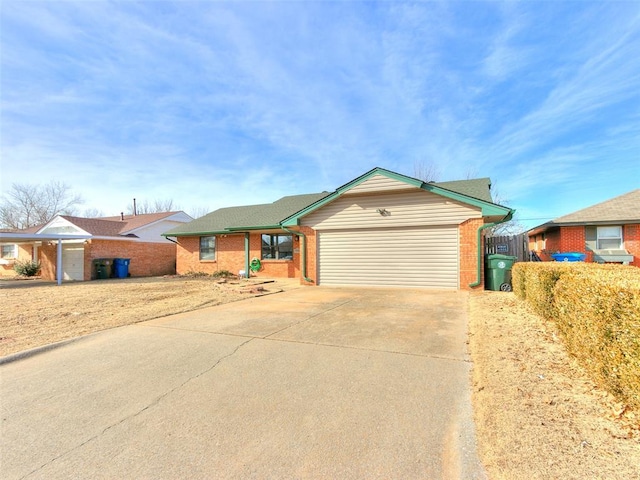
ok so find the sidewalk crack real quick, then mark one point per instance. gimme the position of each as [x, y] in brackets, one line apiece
[153, 403]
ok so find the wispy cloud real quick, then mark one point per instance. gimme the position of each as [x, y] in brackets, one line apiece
[217, 103]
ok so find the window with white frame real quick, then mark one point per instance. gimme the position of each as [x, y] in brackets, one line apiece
[9, 251]
[609, 238]
[277, 247]
[207, 248]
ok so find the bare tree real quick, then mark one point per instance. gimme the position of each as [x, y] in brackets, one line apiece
[26, 205]
[426, 171]
[139, 208]
[513, 226]
[197, 212]
[93, 213]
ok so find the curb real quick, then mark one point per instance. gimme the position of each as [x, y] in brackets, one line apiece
[32, 352]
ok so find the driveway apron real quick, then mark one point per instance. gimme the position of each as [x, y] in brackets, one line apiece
[310, 383]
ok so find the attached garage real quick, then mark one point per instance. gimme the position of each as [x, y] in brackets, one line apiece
[412, 257]
[386, 229]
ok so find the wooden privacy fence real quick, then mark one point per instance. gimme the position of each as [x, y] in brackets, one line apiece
[514, 245]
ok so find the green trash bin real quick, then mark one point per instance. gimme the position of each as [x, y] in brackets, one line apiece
[102, 267]
[498, 272]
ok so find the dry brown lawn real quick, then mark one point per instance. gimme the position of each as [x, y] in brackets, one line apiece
[36, 314]
[537, 414]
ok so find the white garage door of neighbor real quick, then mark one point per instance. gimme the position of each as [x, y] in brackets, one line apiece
[412, 257]
[72, 262]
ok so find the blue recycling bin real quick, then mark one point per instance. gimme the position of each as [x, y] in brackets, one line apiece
[569, 257]
[121, 267]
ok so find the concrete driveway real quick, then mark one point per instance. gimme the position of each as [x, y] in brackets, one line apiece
[311, 383]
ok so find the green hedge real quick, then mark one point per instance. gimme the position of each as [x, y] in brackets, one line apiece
[597, 310]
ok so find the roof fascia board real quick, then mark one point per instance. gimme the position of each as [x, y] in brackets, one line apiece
[36, 237]
[488, 209]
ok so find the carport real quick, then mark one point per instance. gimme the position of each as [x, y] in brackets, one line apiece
[26, 238]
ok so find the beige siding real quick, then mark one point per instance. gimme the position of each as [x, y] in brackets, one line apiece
[405, 209]
[380, 183]
[413, 257]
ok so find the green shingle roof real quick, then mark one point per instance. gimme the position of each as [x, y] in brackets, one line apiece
[476, 188]
[248, 217]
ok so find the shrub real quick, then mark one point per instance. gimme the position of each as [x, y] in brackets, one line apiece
[191, 273]
[597, 311]
[599, 318]
[222, 274]
[27, 268]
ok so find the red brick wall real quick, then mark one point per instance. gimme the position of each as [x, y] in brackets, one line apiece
[631, 237]
[468, 232]
[312, 256]
[573, 239]
[230, 256]
[48, 261]
[147, 259]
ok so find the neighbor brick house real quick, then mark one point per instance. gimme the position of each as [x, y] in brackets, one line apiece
[382, 229]
[608, 232]
[69, 245]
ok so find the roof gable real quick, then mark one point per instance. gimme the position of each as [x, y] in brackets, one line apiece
[466, 191]
[62, 225]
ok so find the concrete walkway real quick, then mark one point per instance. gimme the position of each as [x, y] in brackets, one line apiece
[311, 383]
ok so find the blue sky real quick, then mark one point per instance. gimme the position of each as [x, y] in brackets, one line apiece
[215, 104]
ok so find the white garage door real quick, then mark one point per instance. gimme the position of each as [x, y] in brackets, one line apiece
[72, 262]
[413, 257]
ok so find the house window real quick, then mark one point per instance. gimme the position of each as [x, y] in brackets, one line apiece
[278, 247]
[207, 248]
[609, 238]
[9, 251]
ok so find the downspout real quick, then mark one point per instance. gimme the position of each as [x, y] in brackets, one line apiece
[479, 240]
[247, 252]
[303, 253]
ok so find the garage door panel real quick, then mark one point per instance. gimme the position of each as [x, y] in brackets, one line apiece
[72, 262]
[426, 256]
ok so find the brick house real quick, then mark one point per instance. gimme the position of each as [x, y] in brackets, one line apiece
[67, 246]
[382, 229]
[608, 232]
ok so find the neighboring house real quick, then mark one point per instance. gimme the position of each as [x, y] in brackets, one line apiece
[608, 232]
[382, 229]
[71, 244]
